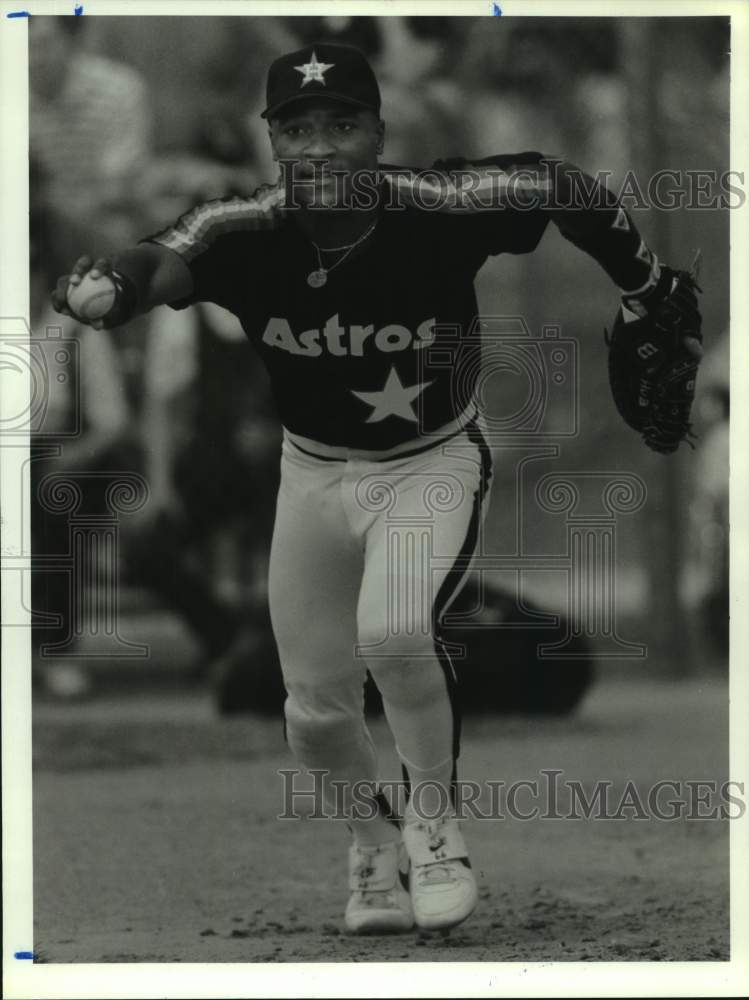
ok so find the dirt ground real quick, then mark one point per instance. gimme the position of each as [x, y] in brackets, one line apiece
[156, 839]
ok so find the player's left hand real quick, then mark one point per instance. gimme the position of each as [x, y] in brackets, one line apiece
[653, 360]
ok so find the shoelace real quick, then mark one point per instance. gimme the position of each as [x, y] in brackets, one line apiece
[383, 899]
[436, 874]
[364, 872]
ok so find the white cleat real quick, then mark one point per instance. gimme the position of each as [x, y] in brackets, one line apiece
[378, 880]
[443, 887]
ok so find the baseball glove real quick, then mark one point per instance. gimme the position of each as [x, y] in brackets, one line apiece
[653, 360]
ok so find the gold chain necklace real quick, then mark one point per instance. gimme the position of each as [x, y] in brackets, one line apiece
[316, 279]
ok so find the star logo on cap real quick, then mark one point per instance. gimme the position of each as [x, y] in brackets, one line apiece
[393, 399]
[313, 71]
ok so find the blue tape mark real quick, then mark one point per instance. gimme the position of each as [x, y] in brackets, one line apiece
[496, 10]
[77, 10]
[29, 955]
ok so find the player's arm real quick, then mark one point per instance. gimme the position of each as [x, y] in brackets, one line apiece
[518, 195]
[591, 217]
[656, 342]
[143, 277]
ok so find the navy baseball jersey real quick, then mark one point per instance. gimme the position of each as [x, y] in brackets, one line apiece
[357, 363]
[347, 360]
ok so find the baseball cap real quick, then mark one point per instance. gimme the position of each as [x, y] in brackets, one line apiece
[323, 69]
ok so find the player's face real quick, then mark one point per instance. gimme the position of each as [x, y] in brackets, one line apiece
[348, 139]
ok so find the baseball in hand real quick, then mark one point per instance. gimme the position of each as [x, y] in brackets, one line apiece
[92, 298]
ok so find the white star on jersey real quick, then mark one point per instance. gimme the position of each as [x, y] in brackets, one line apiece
[313, 71]
[394, 398]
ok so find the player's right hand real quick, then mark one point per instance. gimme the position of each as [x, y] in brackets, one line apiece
[83, 266]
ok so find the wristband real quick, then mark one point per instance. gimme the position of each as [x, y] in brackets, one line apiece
[125, 301]
[643, 300]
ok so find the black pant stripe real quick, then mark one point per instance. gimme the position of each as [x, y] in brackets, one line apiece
[447, 591]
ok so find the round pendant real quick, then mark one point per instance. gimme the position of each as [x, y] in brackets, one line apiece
[316, 279]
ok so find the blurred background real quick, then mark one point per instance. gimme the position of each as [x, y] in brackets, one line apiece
[134, 120]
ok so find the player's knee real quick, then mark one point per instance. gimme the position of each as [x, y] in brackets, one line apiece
[323, 714]
[409, 682]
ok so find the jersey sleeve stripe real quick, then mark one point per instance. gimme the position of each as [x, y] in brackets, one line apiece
[194, 232]
[487, 187]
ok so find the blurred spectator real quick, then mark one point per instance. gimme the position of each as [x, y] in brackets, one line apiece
[207, 84]
[89, 137]
[362, 32]
[89, 121]
[172, 183]
[90, 395]
[181, 398]
[520, 77]
[211, 444]
[411, 62]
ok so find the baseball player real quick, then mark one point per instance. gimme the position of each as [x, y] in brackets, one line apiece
[354, 282]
